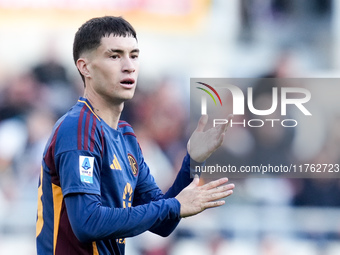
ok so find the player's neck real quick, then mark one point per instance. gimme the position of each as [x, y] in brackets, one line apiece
[108, 111]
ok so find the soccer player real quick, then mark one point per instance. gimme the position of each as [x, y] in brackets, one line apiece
[95, 188]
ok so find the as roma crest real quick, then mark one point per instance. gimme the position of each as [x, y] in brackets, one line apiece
[133, 164]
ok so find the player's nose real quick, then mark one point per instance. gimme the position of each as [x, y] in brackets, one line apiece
[128, 65]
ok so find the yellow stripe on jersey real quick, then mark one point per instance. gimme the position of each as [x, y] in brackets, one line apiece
[40, 220]
[95, 249]
[57, 203]
[115, 164]
[89, 108]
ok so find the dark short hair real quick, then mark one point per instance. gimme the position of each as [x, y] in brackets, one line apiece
[89, 35]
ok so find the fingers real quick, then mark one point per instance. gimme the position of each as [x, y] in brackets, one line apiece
[202, 123]
[214, 184]
[221, 130]
[213, 200]
[219, 192]
[229, 118]
[214, 204]
[224, 127]
[194, 182]
[215, 190]
[204, 120]
[222, 188]
[195, 199]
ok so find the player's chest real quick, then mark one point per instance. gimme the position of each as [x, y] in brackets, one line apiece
[119, 164]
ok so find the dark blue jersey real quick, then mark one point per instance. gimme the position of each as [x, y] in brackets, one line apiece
[95, 188]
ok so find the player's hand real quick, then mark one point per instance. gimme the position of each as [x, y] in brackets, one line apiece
[203, 143]
[195, 199]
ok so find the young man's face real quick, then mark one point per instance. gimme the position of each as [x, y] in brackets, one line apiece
[114, 67]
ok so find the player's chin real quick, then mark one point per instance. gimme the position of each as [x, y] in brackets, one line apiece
[128, 94]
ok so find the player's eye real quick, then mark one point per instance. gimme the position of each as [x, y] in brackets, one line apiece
[114, 56]
[135, 56]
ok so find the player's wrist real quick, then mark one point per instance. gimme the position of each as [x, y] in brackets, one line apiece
[195, 166]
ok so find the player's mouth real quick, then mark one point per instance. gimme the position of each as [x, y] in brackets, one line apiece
[127, 83]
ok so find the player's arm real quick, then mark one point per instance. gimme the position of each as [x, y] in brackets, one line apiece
[92, 221]
[194, 198]
[147, 191]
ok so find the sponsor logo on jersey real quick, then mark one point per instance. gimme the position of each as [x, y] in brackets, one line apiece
[86, 168]
[133, 164]
[115, 163]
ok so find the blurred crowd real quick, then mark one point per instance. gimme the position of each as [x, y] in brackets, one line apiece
[30, 104]
[31, 101]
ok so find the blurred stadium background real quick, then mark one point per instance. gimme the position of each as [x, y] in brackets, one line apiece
[178, 39]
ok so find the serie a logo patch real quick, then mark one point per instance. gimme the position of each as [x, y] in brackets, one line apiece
[86, 168]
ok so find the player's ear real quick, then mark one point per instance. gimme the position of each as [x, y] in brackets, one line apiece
[82, 67]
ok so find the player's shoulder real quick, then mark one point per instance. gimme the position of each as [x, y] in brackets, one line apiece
[129, 135]
[79, 128]
[126, 128]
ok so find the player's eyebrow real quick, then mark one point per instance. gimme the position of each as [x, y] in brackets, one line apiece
[122, 51]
